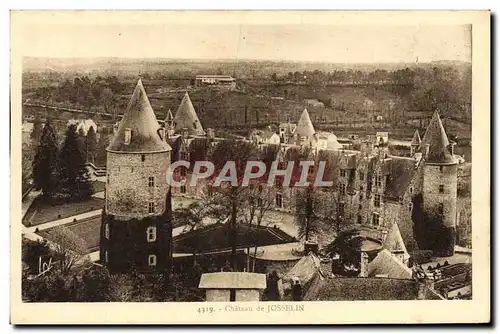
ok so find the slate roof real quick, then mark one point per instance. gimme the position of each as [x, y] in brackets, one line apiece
[393, 241]
[169, 116]
[368, 288]
[438, 142]
[216, 238]
[186, 117]
[388, 264]
[305, 270]
[233, 280]
[305, 127]
[416, 139]
[400, 174]
[140, 118]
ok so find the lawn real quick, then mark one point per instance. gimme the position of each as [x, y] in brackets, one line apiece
[41, 212]
[87, 229]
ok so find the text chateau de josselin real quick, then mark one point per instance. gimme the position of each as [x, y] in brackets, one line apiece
[373, 187]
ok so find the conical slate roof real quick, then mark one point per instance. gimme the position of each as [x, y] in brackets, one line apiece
[438, 142]
[416, 139]
[305, 127]
[169, 116]
[140, 118]
[186, 117]
[394, 242]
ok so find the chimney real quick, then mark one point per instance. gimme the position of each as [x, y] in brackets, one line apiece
[427, 147]
[311, 247]
[296, 289]
[423, 284]
[210, 134]
[383, 235]
[363, 272]
[128, 135]
[185, 133]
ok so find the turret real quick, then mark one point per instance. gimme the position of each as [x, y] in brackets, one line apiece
[415, 143]
[136, 216]
[439, 191]
[186, 117]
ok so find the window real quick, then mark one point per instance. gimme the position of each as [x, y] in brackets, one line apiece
[279, 200]
[410, 206]
[183, 171]
[360, 207]
[210, 190]
[343, 173]
[441, 169]
[361, 188]
[106, 231]
[259, 202]
[342, 189]
[183, 189]
[105, 256]
[151, 233]
[441, 188]
[151, 207]
[143, 157]
[378, 181]
[151, 181]
[152, 260]
[440, 208]
[341, 209]
[361, 176]
[359, 219]
[411, 190]
[360, 196]
[375, 219]
[128, 135]
[376, 200]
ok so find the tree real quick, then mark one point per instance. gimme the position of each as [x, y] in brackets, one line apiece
[36, 133]
[307, 212]
[230, 197]
[73, 174]
[101, 149]
[68, 248]
[347, 244]
[91, 145]
[45, 162]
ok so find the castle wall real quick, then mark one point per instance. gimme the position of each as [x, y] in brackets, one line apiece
[128, 193]
[433, 177]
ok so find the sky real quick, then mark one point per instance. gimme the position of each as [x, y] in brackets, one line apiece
[300, 42]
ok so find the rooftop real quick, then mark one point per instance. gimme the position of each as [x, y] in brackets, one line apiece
[140, 118]
[438, 142]
[233, 280]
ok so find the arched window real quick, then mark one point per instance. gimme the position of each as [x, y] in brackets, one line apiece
[151, 233]
[410, 206]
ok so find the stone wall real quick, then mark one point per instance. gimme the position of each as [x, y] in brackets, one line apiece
[433, 177]
[128, 193]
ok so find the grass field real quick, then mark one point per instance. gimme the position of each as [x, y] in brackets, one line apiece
[41, 212]
[87, 229]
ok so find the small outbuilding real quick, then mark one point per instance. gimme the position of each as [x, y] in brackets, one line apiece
[233, 286]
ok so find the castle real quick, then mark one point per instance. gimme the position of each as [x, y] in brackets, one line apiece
[372, 187]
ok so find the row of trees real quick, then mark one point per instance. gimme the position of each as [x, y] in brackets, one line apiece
[86, 92]
[60, 172]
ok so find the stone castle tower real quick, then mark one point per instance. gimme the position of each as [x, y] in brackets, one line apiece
[136, 221]
[439, 188]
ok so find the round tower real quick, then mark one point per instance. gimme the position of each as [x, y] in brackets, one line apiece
[439, 189]
[136, 223]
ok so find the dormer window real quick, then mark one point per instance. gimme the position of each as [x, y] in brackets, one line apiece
[128, 135]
